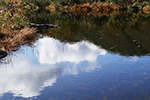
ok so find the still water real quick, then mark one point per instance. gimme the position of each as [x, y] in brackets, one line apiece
[87, 58]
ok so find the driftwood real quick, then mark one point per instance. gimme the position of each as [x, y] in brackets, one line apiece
[43, 26]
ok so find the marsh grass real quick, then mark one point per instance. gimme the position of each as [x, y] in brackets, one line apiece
[12, 42]
[99, 8]
[14, 30]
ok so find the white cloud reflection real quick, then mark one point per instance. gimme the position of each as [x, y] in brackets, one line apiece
[52, 51]
[133, 59]
[27, 78]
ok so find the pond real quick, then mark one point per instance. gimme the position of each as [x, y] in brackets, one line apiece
[92, 57]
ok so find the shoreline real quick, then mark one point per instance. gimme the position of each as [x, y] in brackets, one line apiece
[98, 7]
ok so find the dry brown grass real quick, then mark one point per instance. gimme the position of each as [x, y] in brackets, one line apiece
[146, 9]
[12, 42]
[96, 9]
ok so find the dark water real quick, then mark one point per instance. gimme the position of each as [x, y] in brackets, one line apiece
[87, 58]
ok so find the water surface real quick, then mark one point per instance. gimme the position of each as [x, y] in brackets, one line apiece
[85, 59]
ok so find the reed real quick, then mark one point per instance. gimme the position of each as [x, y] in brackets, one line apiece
[13, 42]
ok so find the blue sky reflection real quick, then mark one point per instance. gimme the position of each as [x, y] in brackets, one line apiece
[33, 71]
[29, 75]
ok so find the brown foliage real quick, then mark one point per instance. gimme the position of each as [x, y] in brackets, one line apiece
[12, 42]
[96, 8]
[16, 2]
[146, 9]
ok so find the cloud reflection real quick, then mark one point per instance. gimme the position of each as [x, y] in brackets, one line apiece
[133, 59]
[53, 51]
[27, 78]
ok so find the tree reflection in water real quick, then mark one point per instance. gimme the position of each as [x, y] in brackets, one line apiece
[125, 34]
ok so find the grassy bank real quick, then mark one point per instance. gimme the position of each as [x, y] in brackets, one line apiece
[99, 8]
[14, 30]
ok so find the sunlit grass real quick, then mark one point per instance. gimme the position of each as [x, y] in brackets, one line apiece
[12, 42]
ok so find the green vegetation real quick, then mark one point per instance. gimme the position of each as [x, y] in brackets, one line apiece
[14, 29]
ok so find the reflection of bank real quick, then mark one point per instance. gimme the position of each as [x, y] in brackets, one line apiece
[2, 54]
[126, 34]
[29, 77]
